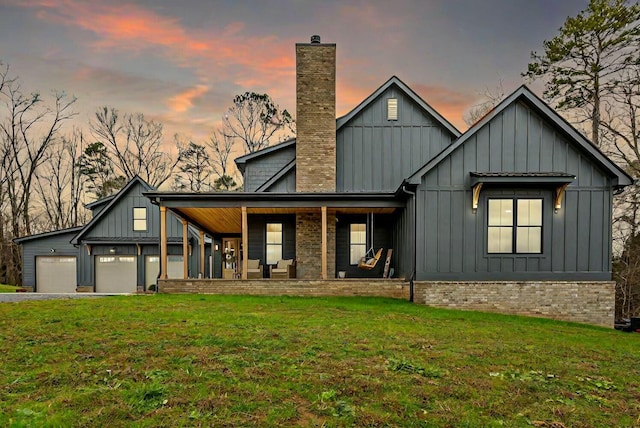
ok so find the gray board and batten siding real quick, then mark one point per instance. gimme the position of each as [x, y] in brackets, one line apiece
[258, 170]
[112, 228]
[45, 244]
[375, 154]
[452, 239]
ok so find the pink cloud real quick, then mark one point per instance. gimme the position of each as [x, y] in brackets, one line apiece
[184, 100]
[449, 103]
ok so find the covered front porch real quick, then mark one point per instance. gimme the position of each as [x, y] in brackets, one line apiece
[313, 230]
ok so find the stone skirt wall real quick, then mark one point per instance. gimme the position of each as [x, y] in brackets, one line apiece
[394, 288]
[590, 302]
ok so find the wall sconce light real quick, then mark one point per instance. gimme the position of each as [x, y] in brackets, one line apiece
[216, 247]
[190, 249]
[112, 250]
[52, 250]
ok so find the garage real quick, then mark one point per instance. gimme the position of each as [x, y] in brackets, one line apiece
[55, 274]
[175, 268]
[116, 274]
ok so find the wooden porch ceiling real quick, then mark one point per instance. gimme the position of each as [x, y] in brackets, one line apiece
[228, 220]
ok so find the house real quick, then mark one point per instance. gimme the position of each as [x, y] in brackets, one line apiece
[116, 252]
[513, 216]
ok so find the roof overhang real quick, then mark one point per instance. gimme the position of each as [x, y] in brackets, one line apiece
[221, 213]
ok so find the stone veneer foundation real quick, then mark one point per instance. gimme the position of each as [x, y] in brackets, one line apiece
[590, 302]
[394, 288]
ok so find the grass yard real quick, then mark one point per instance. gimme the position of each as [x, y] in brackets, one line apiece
[169, 360]
[4, 288]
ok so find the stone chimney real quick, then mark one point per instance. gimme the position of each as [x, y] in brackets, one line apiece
[316, 116]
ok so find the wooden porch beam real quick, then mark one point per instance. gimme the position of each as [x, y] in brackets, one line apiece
[324, 242]
[202, 269]
[185, 249]
[245, 243]
[163, 242]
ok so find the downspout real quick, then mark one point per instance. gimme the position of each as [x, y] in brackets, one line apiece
[415, 245]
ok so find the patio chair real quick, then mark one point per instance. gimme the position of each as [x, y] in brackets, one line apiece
[254, 269]
[285, 269]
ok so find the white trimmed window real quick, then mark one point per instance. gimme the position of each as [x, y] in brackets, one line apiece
[514, 226]
[357, 242]
[140, 219]
[274, 243]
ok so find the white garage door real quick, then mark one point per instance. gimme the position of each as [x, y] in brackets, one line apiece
[55, 274]
[151, 270]
[116, 274]
[175, 268]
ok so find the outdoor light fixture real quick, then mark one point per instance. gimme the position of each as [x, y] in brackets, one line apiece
[216, 247]
[112, 250]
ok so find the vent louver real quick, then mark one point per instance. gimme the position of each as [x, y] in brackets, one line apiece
[392, 109]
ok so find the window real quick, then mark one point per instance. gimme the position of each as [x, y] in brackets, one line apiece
[274, 243]
[514, 226]
[357, 242]
[140, 219]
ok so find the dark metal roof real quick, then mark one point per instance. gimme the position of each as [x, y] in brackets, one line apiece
[523, 174]
[242, 160]
[116, 240]
[276, 200]
[99, 202]
[70, 230]
[521, 177]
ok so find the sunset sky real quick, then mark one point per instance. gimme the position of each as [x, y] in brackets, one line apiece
[182, 62]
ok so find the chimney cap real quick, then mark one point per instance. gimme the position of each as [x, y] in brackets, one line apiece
[315, 39]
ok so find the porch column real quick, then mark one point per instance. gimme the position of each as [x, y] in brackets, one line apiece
[245, 243]
[324, 243]
[163, 242]
[185, 249]
[202, 269]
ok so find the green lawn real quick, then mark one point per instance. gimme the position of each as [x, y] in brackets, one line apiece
[4, 288]
[164, 360]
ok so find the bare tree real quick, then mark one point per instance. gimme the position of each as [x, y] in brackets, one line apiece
[254, 119]
[29, 130]
[133, 144]
[194, 167]
[59, 183]
[221, 145]
[28, 127]
[491, 98]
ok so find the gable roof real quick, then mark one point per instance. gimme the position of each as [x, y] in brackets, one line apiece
[47, 234]
[95, 204]
[135, 180]
[394, 80]
[343, 120]
[523, 93]
[242, 160]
